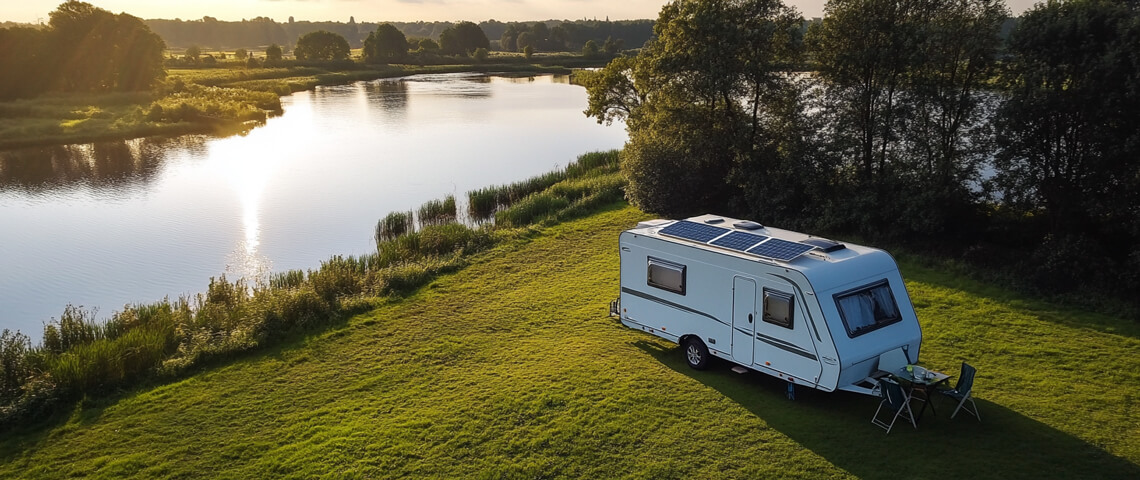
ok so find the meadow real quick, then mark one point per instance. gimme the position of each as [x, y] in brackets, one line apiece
[509, 367]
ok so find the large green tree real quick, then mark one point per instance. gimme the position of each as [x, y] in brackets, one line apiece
[385, 45]
[1070, 148]
[95, 50]
[463, 39]
[900, 83]
[321, 45]
[696, 101]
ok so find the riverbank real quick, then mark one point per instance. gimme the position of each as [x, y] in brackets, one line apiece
[216, 100]
[510, 368]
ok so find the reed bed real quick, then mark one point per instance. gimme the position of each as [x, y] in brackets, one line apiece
[438, 212]
[394, 224]
[81, 356]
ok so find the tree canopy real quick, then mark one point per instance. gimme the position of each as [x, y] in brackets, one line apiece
[463, 39]
[321, 45]
[384, 45]
[85, 49]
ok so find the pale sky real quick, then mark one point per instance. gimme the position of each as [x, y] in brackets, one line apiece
[31, 11]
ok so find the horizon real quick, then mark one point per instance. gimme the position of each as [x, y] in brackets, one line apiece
[36, 11]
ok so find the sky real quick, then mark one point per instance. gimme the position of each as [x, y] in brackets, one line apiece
[33, 11]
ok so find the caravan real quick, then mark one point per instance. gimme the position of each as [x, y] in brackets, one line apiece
[808, 310]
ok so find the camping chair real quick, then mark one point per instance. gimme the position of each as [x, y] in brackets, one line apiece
[896, 400]
[963, 391]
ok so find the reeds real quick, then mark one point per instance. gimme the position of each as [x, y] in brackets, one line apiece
[438, 212]
[394, 225]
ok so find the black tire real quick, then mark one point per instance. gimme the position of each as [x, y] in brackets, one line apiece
[696, 353]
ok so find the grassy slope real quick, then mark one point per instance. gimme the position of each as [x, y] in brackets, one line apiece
[510, 368]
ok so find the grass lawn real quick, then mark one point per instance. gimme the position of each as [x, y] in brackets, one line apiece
[511, 368]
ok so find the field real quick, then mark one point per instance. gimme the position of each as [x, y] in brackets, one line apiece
[510, 368]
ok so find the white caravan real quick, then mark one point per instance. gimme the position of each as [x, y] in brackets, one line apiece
[804, 309]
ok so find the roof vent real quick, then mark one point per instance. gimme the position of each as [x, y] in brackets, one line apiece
[714, 221]
[747, 225]
[824, 245]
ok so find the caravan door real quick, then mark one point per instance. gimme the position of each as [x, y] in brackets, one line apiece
[743, 319]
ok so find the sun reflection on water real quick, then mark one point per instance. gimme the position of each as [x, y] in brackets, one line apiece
[247, 172]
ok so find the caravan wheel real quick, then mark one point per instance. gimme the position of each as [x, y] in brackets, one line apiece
[696, 353]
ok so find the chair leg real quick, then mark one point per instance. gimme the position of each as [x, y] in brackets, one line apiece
[962, 403]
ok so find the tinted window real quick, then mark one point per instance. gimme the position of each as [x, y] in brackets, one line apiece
[778, 308]
[666, 275]
[868, 308]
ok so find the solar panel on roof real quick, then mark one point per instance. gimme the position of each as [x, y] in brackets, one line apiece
[698, 232]
[738, 240]
[778, 249]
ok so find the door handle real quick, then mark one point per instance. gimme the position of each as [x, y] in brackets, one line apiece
[749, 318]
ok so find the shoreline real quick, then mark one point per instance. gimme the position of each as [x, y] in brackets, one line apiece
[108, 118]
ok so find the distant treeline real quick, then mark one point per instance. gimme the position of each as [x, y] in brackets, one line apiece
[564, 35]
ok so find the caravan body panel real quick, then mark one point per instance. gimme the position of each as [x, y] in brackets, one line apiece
[820, 319]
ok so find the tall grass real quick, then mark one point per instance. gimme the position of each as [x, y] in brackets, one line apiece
[394, 225]
[487, 203]
[83, 356]
[438, 212]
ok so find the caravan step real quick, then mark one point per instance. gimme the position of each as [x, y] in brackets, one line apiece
[739, 369]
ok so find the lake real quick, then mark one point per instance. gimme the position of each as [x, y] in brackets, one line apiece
[105, 225]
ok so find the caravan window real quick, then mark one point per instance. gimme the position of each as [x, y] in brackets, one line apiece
[778, 308]
[868, 308]
[666, 275]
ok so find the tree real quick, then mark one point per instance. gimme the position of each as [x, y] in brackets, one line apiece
[23, 55]
[524, 40]
[696, 101]
[541, 36]
[428, 46]
[901, 81]
[192, 54]
[273, 53]
[528, 51]
[611, 47]
[507, 41]
[241, 54]
[385, 44]
[321, 45]
[1070, 151]
[462, 39]
[591, 49]
[100, 51]
[480, 54]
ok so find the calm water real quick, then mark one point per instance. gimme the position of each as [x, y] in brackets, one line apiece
[106, 225]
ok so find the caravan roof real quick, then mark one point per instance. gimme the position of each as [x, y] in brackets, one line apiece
[811, 255]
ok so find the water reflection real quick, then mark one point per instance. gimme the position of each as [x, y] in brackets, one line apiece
[109, 167]
[132, 222]
[468, 85]
[391, 96]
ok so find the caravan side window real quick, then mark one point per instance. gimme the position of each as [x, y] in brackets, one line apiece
[778, 308]
[666, 275]
[868, 308]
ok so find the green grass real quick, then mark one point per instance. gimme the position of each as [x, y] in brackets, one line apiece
[510, 368]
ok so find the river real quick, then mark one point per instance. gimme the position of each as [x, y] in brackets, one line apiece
[106, 225]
